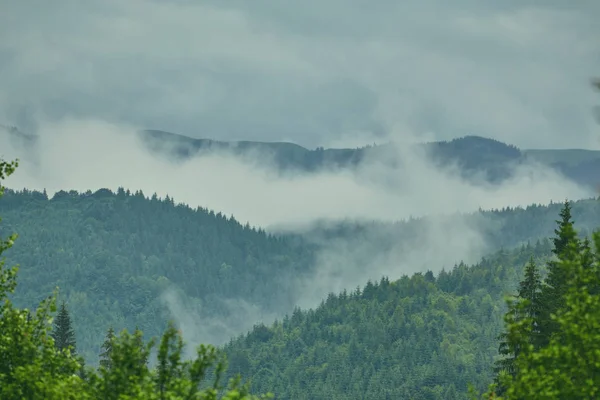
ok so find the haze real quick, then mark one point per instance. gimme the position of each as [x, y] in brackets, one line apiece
[85, 76]
[331, 73]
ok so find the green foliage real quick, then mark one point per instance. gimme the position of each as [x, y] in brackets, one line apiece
[127, 376]
[63, 333]
[418, 337]
[527, 306]
[107, 348]
[567, 366]
[35, 366]
[30, 366]
[114, 255]
[566, 245]
[438, 334]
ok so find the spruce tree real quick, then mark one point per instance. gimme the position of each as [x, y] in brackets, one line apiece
[568, 367]
[530, 289]
[107, 348]
[138, 334]
[525, 311]
[587, 263]
[63, 333]
[566, 247]
[565, 233]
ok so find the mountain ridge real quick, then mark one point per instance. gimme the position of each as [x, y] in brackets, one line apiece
[476, 157]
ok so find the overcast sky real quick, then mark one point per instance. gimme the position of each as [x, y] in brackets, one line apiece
[327, 72]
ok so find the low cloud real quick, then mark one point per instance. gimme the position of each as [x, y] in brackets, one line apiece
[197, 325]
[313, 72]
[91, 154]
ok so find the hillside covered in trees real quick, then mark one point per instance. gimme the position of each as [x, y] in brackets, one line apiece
[420, 337]
[125, 260]
[40, 361]
[432, 337]
[114, 256]
[440, 334]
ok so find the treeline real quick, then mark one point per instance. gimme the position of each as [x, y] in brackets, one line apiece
[115, 255]
[551, 345]
[37, 363]
[420, 337]
[427, 337]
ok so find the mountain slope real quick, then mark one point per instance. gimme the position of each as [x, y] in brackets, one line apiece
[422, 337]
[477, 157]
[124, 259]
[115, 256]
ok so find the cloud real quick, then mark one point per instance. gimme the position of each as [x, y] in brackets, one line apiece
[313, 72]
[383, 250]
[88, 155]
[86, 75]
[93, 154]
[200, 326]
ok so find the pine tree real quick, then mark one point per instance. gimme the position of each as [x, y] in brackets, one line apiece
[63, 333]
[587, 263]
[566, 247]
[138, 334]
[568, 367]
[530, 290]
[525, 311]
[107, 348]
[565, 233]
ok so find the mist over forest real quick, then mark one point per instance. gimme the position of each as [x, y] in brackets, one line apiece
[338, 200]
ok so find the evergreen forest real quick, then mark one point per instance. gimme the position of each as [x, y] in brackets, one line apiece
[299, 201]
[519, 323]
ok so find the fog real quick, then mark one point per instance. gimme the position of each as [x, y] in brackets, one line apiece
[92, 154]
[311, 72]
[89, 155]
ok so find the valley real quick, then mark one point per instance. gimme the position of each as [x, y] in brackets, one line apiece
[299, 201]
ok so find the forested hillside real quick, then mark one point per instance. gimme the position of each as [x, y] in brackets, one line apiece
[420, 337]
[504, 228]
[475, 156]
[434, 337]
[39, 358]
[116, 255]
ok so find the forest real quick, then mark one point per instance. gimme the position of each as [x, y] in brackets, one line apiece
[130, 261]
[449, 335]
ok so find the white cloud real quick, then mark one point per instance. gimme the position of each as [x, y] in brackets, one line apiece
[91, 154]
[310, 72]
[86, 75]
[88, 155]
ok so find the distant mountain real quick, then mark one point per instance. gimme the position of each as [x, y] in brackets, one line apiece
[476, 157]
[284, 154]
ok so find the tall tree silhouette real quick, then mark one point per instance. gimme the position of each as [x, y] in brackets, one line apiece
[526, 311]
[107, 349]
[556, 284]
[63, 333]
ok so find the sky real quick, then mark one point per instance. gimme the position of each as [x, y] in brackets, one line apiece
[85, 75]
[318, 73]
